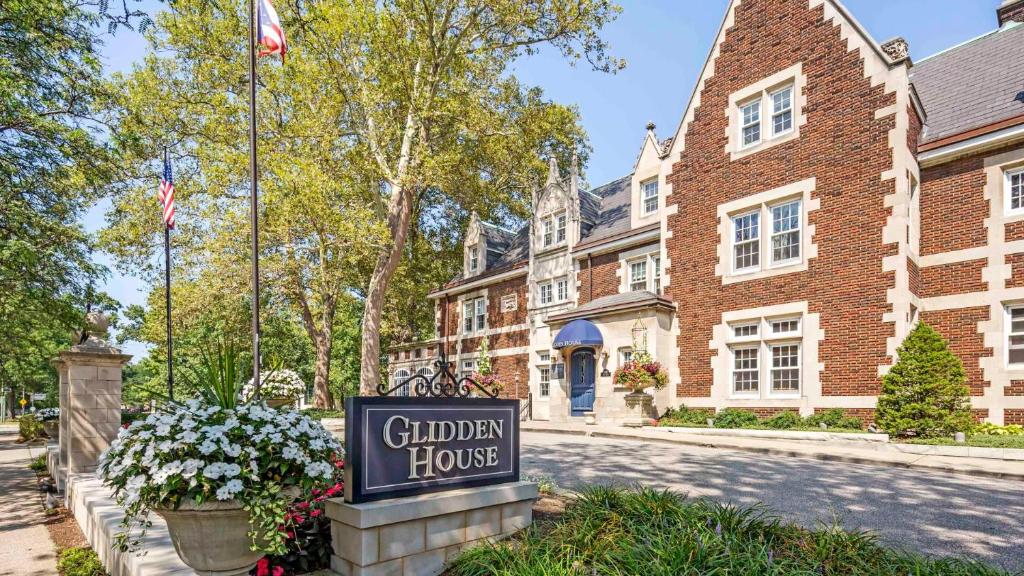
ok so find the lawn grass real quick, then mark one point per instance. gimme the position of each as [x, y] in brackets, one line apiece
[611, 531]
[978, 440]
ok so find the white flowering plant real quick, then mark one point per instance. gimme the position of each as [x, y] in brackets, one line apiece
[200, 451]
[282, 383]
[47, 414]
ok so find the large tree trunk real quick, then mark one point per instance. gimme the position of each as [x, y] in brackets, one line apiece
[399, 212]
[322, 397]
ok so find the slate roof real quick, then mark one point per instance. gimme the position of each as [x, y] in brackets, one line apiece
[613, 304]
[972, 85]
[612, 216]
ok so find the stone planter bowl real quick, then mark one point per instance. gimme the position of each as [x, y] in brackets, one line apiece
[52, 428]
[276, 403]
[212, 538]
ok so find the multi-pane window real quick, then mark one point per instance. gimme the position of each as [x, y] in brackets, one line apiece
[750, 127]
[625, 355]
[1015, 335]
[785, 232]
[785, 371]
[474, 315]
[745, 330]
[782, 110]
[786, 326]
[468, 367]
[1015, 191]
[560, 229]
[638, 275]
[481, 314]
[656, 273]
[562, 290]
[474, 259]
[400, 378]
[745, 371]
[649, 191]
[746, 241]
[547, 227]
[546, 293]
[545, 381]
[467, 317]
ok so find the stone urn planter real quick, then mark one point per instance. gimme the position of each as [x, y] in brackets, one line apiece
[279, 402]
[639, 405]
[52, 428]
[212, 538]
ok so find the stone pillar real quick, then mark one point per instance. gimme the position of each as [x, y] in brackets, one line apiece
[90, 400]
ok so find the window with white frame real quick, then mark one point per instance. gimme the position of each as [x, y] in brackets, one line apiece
[544, 368]
[401, 376]
[752, 250]
[656, 274]
[474, 259]
[468, 367]
[750, 123]
[546, 293]
[1015, 335]
[474, 315]
[1015, 191]
[638, 275]
[547, 227]
[562, 290]
[644, 273]
[560, 228]
[782, 110]
[625, 355]
[649, 195]
[766, 350]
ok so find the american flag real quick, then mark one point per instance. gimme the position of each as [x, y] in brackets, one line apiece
[166, 194]
[270, 35]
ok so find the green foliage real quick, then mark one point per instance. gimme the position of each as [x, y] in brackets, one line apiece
[79, 561]
[735, 418]
[687, 417]
[483, 362]
[833, 418]
[997, 430]
[979, 440]
[644, 531]
[217, 377]
[924, 393]
[320, 413]
[38, 464]
[29, 427]
[127, 417]
[784, 420]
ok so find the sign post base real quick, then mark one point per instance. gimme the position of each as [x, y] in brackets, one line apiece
[420, 534]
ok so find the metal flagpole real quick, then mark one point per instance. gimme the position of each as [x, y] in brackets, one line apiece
[167, 298]
[254, 199]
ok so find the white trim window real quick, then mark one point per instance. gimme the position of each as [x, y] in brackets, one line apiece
[562, 290]
[474, 315]
[468, 367]
[785, 232]
[546, 293]
[625, 355]
[782, 110]
[656, 274]
[401, 375]
[1015, 191]
[474, 259]
[649, 196]
[544, 370]
[750, 123]
[746, 248]
[766, 350]
[644, 273]
[560, 221]
[547, 226]
[638, 275]
[1015, 335]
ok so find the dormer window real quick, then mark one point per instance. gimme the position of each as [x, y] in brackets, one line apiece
[649, 195]
[546, 226]
[474, 259]
[560, 228]
[553, 230]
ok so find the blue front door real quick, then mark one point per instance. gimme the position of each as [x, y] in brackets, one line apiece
[581, 388]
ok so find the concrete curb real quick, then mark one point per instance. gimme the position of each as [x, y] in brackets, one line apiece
[926, 462]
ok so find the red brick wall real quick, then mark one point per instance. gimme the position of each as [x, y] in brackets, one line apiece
[1016, 388]
[514, 372]
[953, 206]
[914, 131]
[1015, 231]
[960, 328]
[1013, 416]
[955, 278]
[495, 317]
[599, 277]
[916, 281]
[843, 145]
[1016, 262]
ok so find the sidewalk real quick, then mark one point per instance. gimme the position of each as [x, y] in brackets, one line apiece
[27, 549]
[853, 452]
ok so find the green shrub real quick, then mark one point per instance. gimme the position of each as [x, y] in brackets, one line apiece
[80, 562]
[38, 464]
[127, 417]
[684, 416]
[734, 418]
[924, 394]
[785, 420]
[321, 413]
[29, 427]
[833, 418]
[987, 428]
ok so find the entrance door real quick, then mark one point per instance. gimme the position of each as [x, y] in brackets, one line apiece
[582, 383]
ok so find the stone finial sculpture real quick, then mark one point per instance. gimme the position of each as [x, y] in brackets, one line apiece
[897, 49]
[94, 336]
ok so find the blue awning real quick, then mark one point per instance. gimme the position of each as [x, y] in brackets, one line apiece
[578, 333]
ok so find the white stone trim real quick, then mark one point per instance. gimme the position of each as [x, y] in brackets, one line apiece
[763, 89]
[810, 368]
[486, 332]
[808, 248]
[960, 149]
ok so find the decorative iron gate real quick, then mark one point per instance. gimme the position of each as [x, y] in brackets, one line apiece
[443, 383]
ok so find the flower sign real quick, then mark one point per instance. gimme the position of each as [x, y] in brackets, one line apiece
[641, 373]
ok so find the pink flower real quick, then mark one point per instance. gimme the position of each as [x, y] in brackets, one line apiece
[278, 571]
[263, 567]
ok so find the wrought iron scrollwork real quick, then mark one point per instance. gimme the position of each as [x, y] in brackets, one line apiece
[443, 383]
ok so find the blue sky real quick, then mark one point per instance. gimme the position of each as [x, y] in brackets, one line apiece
[665, 43]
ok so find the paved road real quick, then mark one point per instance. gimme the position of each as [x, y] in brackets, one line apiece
[929, 512]
[25, 545]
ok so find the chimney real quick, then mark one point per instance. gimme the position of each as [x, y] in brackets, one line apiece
[1010, 11]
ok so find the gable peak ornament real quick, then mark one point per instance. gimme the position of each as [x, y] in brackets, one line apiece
[897, 49]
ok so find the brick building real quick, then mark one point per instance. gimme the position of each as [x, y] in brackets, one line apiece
[821, 194]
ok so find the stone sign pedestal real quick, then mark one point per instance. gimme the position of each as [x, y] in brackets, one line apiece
[90, 405]
[418, 535]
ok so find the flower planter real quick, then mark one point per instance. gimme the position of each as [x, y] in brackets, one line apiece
[639, 405]
[279, 402]
[212, 538]
[52, 428]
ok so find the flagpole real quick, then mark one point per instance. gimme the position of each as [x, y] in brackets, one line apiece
[167, 298]
[254, 199]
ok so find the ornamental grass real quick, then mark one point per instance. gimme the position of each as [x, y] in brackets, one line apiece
[614, 531]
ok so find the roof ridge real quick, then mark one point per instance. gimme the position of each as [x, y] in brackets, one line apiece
[1008, 26]
[630, 175]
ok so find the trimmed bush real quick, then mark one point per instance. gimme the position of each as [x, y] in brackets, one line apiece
[321, 413]
[924, 394]
[80, 561]
[833, 418]
[733, 418]
[29, 427]
[684, 416]
[783, 421]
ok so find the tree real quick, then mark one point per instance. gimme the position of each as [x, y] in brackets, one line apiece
[924, 392]
[427, 92]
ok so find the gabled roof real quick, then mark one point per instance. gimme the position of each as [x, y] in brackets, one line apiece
[974, 84]
[611, 211]
[615, 304]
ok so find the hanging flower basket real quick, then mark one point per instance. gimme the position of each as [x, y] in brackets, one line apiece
[222, 478]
